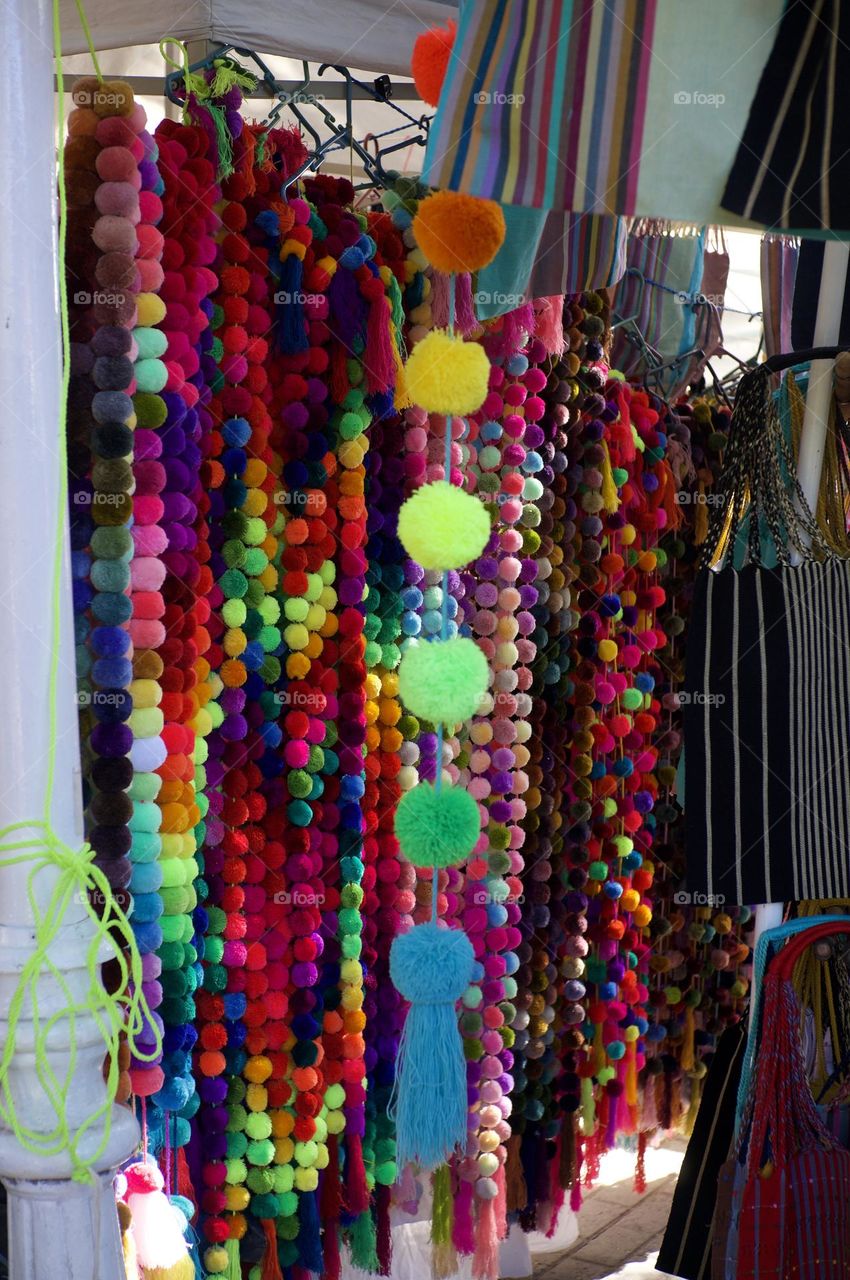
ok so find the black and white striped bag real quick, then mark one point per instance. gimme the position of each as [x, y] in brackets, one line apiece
[766, 699]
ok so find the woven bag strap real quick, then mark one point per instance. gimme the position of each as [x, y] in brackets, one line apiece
[759, 481]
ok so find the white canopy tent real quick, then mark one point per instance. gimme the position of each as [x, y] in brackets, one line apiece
[376, 35]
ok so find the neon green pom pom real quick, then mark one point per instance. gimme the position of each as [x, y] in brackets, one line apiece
[444, 374]
[632, 699]
[436, 828]
[443, 681]
[442, 526]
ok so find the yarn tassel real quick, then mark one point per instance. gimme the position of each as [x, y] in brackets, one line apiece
[485, 1260]
[271, 1263]
[588, 1109]
[443, 1252]
[686, 1057]
[597, 1058]
[363, 1242]
[233, 1270]
[610, 497]
[463, 1236]
[500, 1203]
[549, 324]
[649, 1111]
[330, 1250]
[356, 1190]
[640, 1167]
[309, 1238]
[331, 1198]
[439, 300]
[631, 1089]
[700, 517]
[557, 1206]
[591, 1151]
[378, 357]
[567, 1153]
[184, 1180]
[431, 967]
[383, 1231]
[612, 1124]
[575, 1190]
[465, 318]
[693, 1105]
[517, 1194]
[339, 381]
[293, 328]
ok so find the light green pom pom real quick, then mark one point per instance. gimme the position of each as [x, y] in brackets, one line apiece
[436, 828]
[443, 681]
[443, 527]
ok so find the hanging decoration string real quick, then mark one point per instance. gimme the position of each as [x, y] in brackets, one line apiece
[76, 880]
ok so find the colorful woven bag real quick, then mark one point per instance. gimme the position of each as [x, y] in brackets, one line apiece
[790, 1179]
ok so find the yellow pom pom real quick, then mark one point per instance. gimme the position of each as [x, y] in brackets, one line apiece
[151, 310]
[457, 232]
[447, 375]
[443, 527]
[607, 650]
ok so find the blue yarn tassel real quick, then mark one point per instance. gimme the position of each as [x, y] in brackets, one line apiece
[293, 327]
[431, 967]
[309, 1238]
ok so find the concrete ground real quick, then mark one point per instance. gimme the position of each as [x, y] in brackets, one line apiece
[619, 1232]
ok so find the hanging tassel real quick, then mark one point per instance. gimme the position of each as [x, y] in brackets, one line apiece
[383, 1232]
[686, 1057]
[223, 139]
[439, 300]
[443, 1253]
[128, 1244]
[640, 1167]
[233, 1270]
[465, 318]
[500, 1203]
[598, 1056]
[631, 1085]
[649, 1108]
[592, 1153]
[485, 1260]
[331, 1208]
[227, 75]
[549, 324]
[160, 1247]
[693, 1105]
[431, 967]
[557, 1206]
[378, 356]
[248, 158]
[184, 1179]
[612, 1123]
[516, 1190]
[567, 1153]
[575, 1189]
[363, 1243]
[309, 1238]
[610, 497]
[700, 517]
[330, 1250]
[271, 1263]
[356, 1190]
[339, 382]
[293, 327]
[588, 1109]
[463, 1235]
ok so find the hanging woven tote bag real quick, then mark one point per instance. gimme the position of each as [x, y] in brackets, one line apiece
[766, 698]
[790, 1179]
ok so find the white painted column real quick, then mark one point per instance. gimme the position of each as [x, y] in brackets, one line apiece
[57, 1227]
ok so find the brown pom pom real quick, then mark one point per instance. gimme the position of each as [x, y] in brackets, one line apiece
[84, 90]
[116, 270]
[80, 186]
[82, 122]
[113, 98]
[147, 665]
[80, 153]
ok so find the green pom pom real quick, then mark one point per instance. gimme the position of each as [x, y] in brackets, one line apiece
[436, 828]
[258, 1125]
[261, 1152]
[443, 681]
[598, 871]
[150, 410]
[442, 526]
[632, 699]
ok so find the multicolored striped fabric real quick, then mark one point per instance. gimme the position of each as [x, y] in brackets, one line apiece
[664, 270]
[625, 107]
[549, 254]
[779, 257]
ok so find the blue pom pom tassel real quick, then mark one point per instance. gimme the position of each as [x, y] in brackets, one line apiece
[431, 967]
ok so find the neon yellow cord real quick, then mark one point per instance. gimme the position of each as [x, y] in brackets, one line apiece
[36, 843]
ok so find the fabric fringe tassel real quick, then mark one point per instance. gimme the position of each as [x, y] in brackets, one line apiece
[463, 1234]
[485, 1260]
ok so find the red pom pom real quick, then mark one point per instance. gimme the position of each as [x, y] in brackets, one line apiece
[430, 59]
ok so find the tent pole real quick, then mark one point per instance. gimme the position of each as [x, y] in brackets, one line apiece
[57, 1227]
[833, 282]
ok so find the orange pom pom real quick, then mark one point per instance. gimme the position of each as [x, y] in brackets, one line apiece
[430, 59]
[457, 232]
